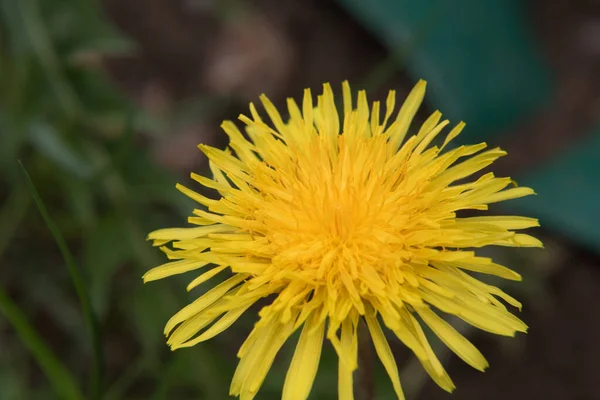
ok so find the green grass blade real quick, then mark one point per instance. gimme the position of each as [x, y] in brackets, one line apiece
[60, 378]
[80, 288]
[12, 213]
[118, 389]
[40, 40]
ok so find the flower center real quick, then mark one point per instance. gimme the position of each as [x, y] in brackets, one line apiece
[330, 215]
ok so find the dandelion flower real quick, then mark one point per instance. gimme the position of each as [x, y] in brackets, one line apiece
[339, 220]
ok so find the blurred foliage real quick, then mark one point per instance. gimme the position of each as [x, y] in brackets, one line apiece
[458, 55]
[74, 131]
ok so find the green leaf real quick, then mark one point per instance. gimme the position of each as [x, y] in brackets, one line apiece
[99, 46]
[60, 378]
[49, 143]
[106, 250]
[125, 380]
[13, 361]
[40, 39]
[481, 59]
[148, 308]
[80, 287]
[82, 199]
[568, 192]
[201, 367]
[12, 213]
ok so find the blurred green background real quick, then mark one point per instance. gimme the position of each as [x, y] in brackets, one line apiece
[104, 102]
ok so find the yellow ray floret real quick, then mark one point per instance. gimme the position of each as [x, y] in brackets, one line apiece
[343, 220]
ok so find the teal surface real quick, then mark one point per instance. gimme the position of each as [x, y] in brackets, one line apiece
[479, 57]
[568, 193]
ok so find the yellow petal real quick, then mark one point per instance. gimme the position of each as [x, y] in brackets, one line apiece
[308, 112]
[453, 134]
[187, 233]
[454, 340]
[303, 369]
[242, 147]
[205, 276]
[428, 138]
[406, 114]
[329, 113]
[384, 352]
[263, 361]
[428, 125]
[203, 301]
[172, 268]
[431, 364]
[509, 194]
[255, 345]
[390, 103]
[375, 118]
[504, 221]
[347, 99]
[274, 115]
[223, 323]
[489, 268]
[347, 363]
[193, 325]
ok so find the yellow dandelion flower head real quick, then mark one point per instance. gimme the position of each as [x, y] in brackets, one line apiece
[342, 220]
